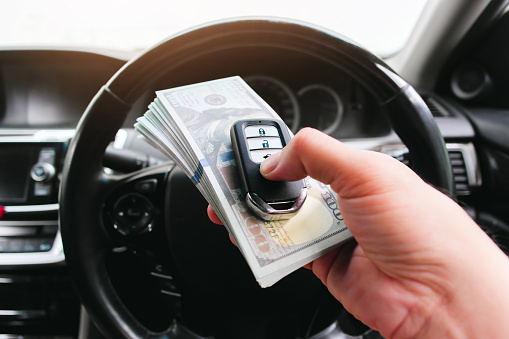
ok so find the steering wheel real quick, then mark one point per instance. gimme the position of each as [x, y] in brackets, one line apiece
[92, 202]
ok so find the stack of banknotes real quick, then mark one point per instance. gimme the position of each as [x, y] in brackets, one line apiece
[191, 125]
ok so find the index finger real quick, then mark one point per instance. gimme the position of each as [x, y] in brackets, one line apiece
[213, 216]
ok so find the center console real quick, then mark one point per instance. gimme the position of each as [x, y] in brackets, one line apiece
[37, 296]
[29, 199]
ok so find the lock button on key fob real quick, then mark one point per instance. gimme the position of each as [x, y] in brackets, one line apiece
[253, 141]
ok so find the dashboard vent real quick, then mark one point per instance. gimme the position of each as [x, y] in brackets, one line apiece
[463, 165]
[437, 110]
[459, 172]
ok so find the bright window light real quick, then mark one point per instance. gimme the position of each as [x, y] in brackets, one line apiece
[381, 26]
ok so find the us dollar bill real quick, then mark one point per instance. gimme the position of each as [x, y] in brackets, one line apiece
[191, 124]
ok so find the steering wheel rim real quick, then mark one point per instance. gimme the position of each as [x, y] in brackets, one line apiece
[84, 185]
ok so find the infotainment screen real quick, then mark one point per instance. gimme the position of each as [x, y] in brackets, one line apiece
[15, 165]
[20, 182]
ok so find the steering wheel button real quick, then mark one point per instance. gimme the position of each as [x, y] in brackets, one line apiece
[146, 186]
[133, 214]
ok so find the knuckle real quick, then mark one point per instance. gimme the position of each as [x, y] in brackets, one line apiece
[302, 139]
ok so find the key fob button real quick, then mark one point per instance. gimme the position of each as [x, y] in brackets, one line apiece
[261, 131]
[259, 155]
[264, 143]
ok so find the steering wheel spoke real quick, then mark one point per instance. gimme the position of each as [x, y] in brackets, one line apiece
[132, 211]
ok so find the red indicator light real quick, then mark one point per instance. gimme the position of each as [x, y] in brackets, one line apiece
[2, 211]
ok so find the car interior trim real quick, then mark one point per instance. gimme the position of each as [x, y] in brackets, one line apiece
[53, 257]
[23, 209]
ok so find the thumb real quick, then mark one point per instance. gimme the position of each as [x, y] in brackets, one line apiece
[315, 154]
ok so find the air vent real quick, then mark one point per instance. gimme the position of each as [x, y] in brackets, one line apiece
[437, 110]
[403, 157]
[459, 172]
[463, 160]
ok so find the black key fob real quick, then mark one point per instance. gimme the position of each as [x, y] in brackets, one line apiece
[253, 141]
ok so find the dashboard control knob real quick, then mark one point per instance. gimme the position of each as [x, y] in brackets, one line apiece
[133, 214]
[42, 171]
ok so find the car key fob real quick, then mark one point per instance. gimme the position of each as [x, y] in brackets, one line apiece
[253, 141]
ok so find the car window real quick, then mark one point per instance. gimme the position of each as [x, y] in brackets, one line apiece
[381, 26]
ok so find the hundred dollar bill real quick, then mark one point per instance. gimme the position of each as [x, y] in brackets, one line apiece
[191, 124]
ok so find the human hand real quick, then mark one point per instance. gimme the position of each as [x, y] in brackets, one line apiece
[421, 266]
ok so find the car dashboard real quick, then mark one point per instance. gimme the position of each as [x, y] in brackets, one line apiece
[43, 94]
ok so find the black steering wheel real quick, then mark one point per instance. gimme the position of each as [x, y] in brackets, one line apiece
[90, 199]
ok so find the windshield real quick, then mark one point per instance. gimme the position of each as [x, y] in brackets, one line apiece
[381, 26]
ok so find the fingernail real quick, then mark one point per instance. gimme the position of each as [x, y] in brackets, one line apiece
[269, 164]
